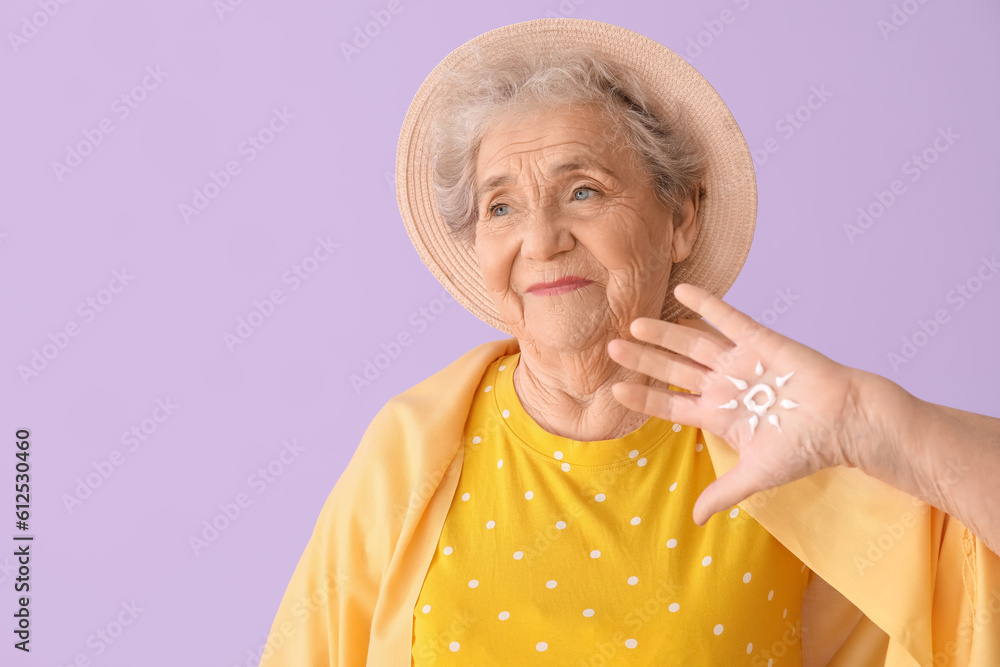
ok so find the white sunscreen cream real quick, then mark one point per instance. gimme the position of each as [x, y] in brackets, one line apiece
[766, 395]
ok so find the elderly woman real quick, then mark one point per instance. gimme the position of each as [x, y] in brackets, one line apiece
[619, 482]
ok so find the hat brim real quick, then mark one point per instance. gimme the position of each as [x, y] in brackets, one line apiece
[726, 216]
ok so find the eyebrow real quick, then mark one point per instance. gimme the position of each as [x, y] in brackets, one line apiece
[573, 164]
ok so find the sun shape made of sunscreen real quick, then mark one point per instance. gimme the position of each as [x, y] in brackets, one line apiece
[760, 408]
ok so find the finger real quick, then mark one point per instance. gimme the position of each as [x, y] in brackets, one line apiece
[699, 346]
[735, 486]
[660, 364]
[673, 406]
[737, 326]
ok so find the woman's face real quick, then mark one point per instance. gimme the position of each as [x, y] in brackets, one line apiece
[557, 202]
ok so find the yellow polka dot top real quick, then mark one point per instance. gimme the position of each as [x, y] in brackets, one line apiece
[563, 552]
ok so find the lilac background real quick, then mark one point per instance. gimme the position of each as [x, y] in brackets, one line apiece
[328, 174]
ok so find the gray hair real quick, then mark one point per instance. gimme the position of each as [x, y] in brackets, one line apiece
[474, 99]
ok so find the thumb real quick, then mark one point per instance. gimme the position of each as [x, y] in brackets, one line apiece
[733, 487]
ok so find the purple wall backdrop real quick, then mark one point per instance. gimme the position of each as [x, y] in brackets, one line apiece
[118, 301]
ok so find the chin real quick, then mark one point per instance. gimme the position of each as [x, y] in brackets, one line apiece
[571, 334]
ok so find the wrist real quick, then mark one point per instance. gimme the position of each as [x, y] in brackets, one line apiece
[947, 458]
[884, 438]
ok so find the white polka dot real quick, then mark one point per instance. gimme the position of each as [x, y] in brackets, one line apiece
[476, 440]
[698, 447]
[674, 606]
[504, 615]
[490, 524]
[631, 643]
[465, 496]
[447, 551]
[641, 462]
[489, 387]
[528, 495]
[426, 609]
[560, 524]
[671, 543]
[746, 578]
[673, 486]
[453, 646]
[600, 497]
[518, 555]
[733, 513]
[503, 367]
[473, 583]
[770, 594]
[676, 427]
[551, 583]
[633, 580]
[718, 629]
[565, 467]
[506, 413]
[541, 646]
[500, 463]
[635, 521]
[634, 453]
[784, 613]
[706, 561]
[557, 456]
[595, 554]
[749, 648]
[588, 612]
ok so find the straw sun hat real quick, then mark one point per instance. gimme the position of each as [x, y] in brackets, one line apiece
[725, 217]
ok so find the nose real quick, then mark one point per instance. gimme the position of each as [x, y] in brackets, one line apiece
[545, 234]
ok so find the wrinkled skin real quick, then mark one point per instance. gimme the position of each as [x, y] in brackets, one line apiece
[609, 228]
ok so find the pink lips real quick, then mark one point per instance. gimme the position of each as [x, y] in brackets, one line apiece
[566, 284]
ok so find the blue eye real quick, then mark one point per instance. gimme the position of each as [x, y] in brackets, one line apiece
[579, 190]
[495, 207]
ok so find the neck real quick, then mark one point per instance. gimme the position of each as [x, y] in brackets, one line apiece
[568, 392]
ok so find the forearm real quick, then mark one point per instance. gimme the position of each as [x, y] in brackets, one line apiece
[946, 457]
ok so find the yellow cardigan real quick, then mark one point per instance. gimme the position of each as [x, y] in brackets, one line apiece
[899, 582]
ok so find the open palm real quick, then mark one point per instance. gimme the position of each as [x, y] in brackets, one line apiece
[781, 405]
